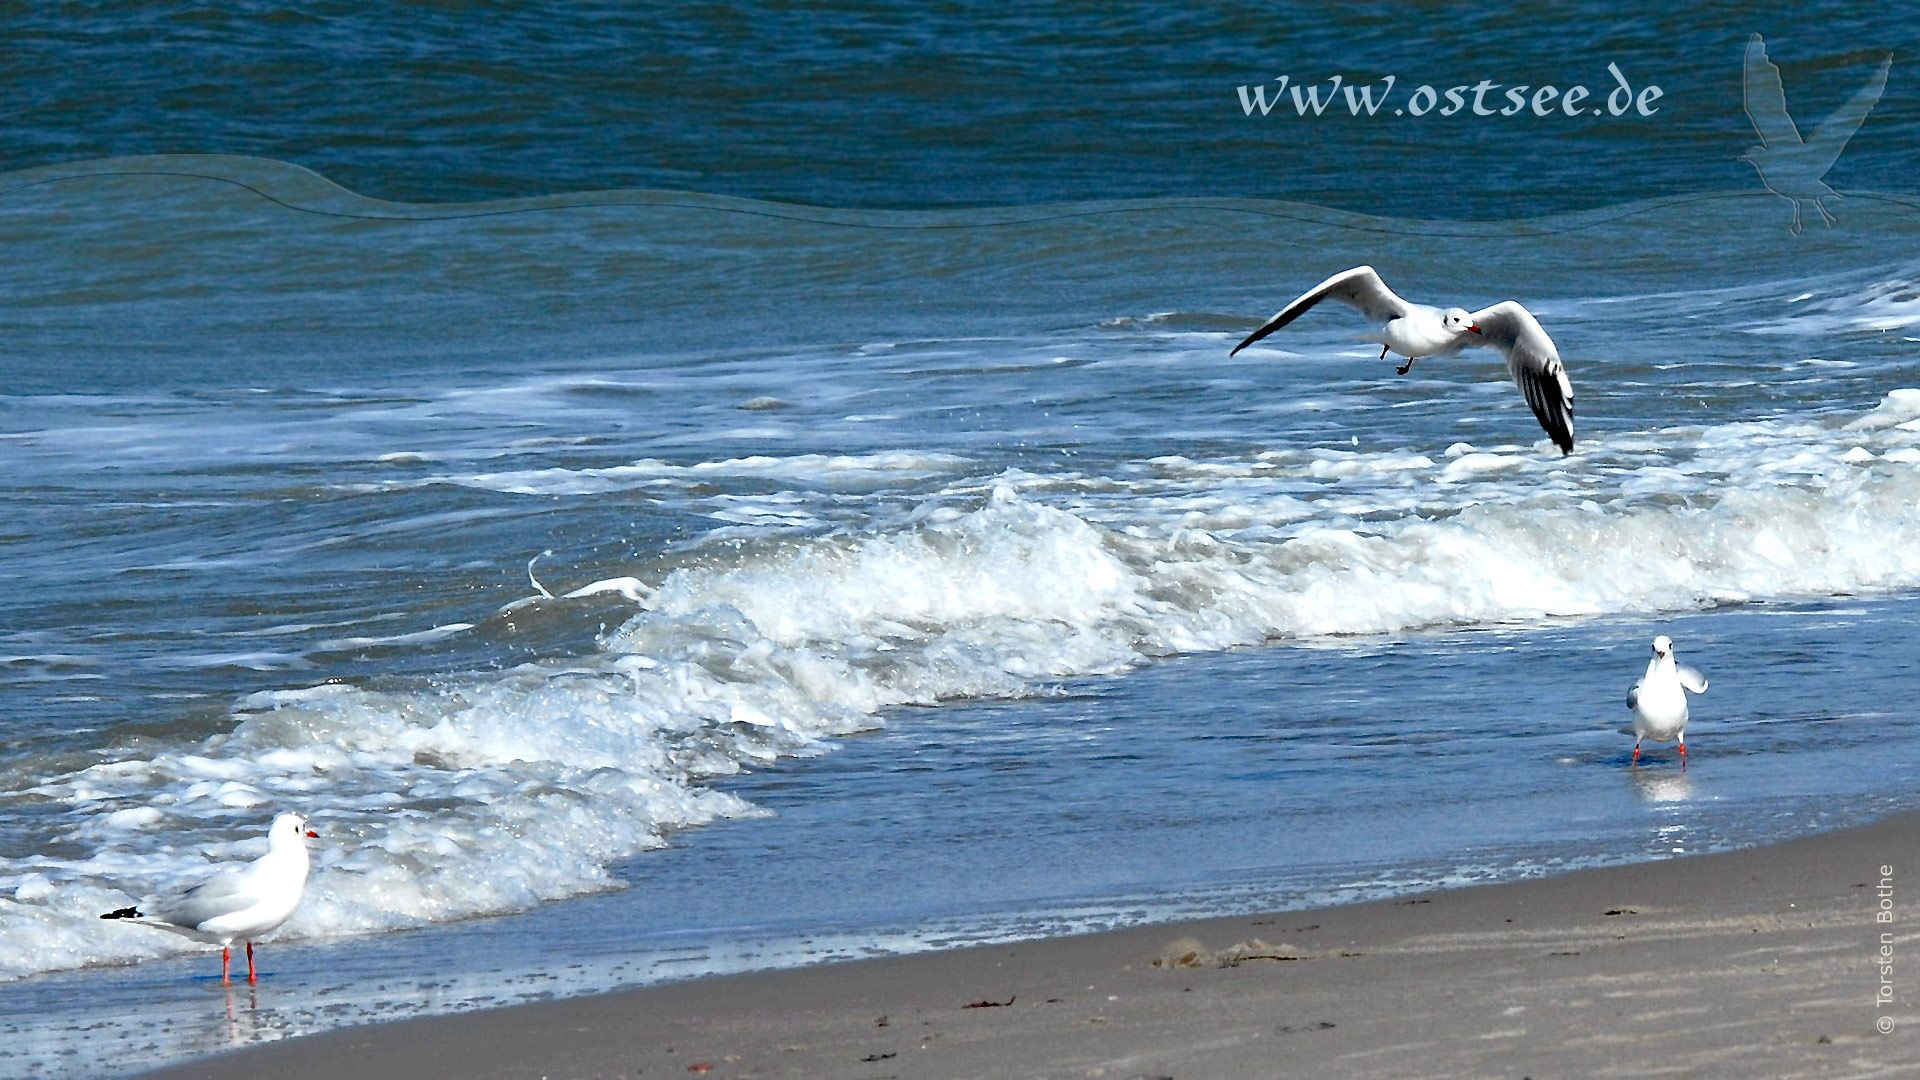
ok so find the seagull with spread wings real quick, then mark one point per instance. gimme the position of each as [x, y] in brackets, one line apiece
[1659, 699]
[1790, 167]
[1419, 330]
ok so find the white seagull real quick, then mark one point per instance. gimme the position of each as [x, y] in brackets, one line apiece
[240, 903]
[1659, 699]
[1417, 330]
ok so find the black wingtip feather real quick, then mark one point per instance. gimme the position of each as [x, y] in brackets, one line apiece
[122, 913]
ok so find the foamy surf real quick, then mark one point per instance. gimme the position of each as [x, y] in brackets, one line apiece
[821, 469]
[476, 793]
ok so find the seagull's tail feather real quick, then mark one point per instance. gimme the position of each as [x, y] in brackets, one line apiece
[123, 913]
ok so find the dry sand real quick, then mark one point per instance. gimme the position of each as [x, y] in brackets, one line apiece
[1753, 964]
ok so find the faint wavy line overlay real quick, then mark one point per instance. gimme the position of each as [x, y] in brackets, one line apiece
[833, 217]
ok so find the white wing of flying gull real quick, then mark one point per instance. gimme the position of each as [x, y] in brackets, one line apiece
[1359, 287]
[1534, 364]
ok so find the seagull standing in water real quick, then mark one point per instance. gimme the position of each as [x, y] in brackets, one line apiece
[1419, 330]
[240, 903]
[1659, 699]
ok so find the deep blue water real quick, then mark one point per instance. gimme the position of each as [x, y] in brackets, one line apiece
[880, 104]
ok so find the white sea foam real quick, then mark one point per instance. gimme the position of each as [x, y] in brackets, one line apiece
[826, 469]
[493, 792]
[417, 637]
[1888, 304]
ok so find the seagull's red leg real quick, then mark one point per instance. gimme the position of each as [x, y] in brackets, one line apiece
[1683, 755]
[226, 959]
[250, 975]
[1636, 751]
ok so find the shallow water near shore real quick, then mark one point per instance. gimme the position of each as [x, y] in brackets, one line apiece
[1246, 781]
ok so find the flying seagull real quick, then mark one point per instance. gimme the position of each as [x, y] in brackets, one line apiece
[1417, 330]
[1791, 168]
[239, 903]
[1659, 699]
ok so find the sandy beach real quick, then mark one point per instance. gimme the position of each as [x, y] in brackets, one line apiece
[1756, 963]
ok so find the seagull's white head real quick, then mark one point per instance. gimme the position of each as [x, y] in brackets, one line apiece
[1458, 320]
[1663, 646]
[289, 829]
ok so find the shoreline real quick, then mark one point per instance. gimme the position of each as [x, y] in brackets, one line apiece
[1762, 961]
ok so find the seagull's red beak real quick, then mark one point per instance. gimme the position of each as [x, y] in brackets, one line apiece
[1475, 328]
[313, 835]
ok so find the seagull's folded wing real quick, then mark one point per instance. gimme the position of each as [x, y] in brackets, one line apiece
[1693, 680]
[222, 894]
[1360, 287]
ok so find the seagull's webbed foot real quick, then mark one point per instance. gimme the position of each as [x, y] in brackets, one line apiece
[1403, 368]
[1383, 352]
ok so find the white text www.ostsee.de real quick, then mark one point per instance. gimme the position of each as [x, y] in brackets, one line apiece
[1367, 99]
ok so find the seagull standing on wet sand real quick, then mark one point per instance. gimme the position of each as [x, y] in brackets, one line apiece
[241, 903]
[1419, 330]
[1659, 699]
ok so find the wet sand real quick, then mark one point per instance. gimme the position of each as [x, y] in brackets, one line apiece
[1750, 964]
